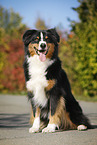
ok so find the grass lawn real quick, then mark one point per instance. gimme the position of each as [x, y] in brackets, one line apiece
[86, 98]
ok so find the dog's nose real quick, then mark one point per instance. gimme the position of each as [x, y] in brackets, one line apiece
[43, 45]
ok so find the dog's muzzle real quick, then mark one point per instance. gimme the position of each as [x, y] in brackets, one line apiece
[42, 52]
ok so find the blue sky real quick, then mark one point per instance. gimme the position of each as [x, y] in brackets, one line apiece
[53, 12]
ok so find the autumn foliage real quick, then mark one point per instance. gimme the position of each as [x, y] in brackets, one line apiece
[12, 78]
[11, 56]
[13, 71]
[77, 50]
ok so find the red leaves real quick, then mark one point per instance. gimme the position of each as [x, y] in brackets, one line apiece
[13, 79]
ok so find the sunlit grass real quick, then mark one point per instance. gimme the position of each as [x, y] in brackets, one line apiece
[86, 98]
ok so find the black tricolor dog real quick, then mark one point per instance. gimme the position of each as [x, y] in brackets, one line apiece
[53, 105]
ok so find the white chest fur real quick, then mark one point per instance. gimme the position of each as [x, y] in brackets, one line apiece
[38, 81]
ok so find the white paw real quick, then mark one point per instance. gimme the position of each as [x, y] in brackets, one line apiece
[50, 128]
[36, 126]
[33, 129]
[81, 127]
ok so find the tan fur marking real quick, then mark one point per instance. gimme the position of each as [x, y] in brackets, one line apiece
[61, 117]
[37, 114]
[31, 117]
[67, 123]
[46, 37]
[31, 48]
[37, 37]
[56, 118]
[51, 50]
[51, 84]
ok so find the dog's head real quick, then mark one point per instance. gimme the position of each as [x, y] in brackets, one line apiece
[43, 43]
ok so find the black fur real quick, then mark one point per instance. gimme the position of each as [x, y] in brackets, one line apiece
[62, 86]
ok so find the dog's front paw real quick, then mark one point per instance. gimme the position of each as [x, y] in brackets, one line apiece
[33, 129]
[81, 127]
[36, 125]
[50, 128]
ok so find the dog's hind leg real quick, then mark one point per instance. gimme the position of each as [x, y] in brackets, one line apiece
[76, 114]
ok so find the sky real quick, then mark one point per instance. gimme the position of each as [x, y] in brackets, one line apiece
[53, 12]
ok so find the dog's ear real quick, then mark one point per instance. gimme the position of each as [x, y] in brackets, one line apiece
[27, 37]
[54, 34]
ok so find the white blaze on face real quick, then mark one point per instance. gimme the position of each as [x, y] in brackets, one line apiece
[42, 55]
[41, 36]
[42, 41]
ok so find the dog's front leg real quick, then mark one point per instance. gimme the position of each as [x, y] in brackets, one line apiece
[36, 124]
[53, 124]
[54, 118]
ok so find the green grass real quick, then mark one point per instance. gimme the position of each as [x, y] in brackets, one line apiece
[86, 98]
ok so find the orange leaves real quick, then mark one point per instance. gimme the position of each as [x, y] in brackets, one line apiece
[13, 74]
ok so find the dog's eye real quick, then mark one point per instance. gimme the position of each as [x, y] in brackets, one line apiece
[36, 39]
[47, 39]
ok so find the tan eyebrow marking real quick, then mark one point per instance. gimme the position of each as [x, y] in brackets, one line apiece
[46, 37]
[37, 37]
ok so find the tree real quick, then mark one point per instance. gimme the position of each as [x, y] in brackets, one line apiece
[84, 42]
[40, 24]
[11, 51]
[11, 22]
[87, 10]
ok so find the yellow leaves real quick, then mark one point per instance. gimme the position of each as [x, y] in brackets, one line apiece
[40, 24]
[1, 65]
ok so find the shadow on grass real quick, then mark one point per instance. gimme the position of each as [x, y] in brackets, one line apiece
[14, 120]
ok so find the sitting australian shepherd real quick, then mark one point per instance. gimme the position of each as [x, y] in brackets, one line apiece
[53, 105]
